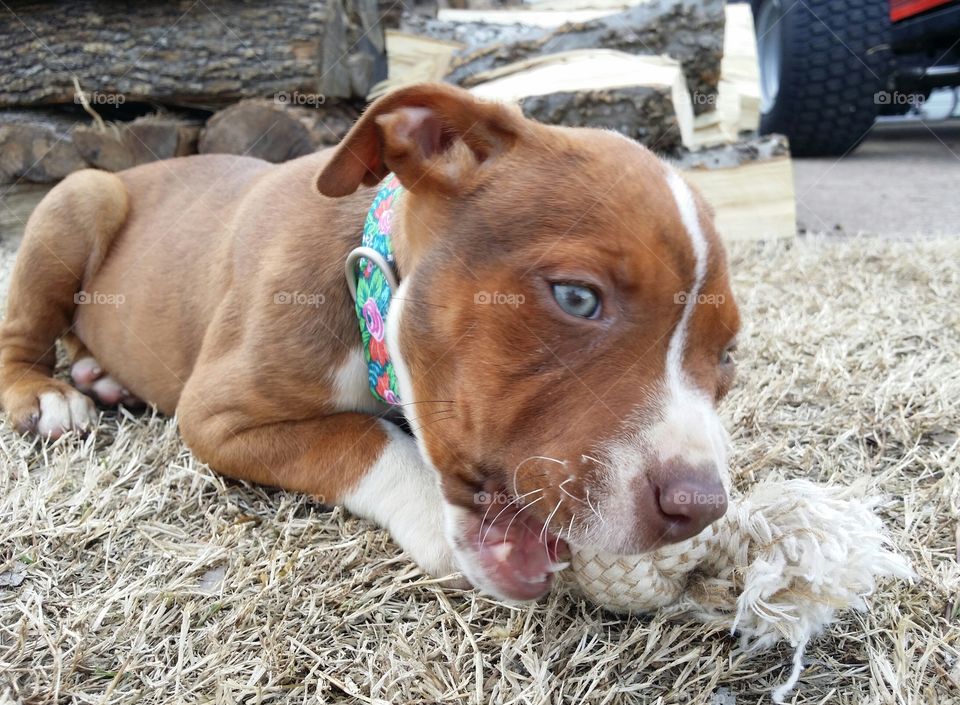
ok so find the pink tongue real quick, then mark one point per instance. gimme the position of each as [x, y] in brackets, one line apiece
[518, 555]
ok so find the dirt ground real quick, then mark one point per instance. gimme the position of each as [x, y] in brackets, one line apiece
[904, 180]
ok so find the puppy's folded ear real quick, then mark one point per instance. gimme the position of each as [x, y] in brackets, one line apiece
[415, 132]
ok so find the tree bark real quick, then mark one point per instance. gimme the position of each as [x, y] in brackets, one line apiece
[276, 131]
[730, 156]
[44, 145]
[191, 54]
[646, 114]
[690, 31]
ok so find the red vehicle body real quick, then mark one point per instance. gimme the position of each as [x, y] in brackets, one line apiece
[902, 9]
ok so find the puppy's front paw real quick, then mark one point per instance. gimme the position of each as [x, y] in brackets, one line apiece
[50, 409]
[402, 493]
[421, 535]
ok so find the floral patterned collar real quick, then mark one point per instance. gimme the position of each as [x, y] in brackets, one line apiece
[372, 279]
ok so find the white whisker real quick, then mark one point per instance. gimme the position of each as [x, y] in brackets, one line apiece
[560, 487]
[526, 506]
[592, 508]
[516, 500]
[532, 457]
[569, 533]
[543, 531]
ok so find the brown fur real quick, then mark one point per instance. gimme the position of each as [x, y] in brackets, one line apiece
[200, 246]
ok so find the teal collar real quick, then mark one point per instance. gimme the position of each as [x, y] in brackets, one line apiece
[372, 280]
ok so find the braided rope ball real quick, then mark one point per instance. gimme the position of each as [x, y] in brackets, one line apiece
[782, 563]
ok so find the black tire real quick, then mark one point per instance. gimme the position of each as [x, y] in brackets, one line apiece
[823, 67]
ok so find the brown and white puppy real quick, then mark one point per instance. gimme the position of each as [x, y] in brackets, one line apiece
[557, 362]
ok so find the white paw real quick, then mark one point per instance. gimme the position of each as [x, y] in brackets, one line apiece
[401, 493]
[65, 411]
[420, 532]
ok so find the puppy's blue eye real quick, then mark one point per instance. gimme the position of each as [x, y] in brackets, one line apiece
[577, 300]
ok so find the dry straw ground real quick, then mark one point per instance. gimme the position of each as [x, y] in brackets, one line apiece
[135, 575]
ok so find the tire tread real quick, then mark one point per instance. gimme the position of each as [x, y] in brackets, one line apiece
[836, 59]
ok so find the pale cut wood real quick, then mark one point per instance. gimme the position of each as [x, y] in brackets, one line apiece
[750, 186]
[740, 66]
[642, 97]
[753, 201]
[735, 108]
[722, 124]
[414, 59]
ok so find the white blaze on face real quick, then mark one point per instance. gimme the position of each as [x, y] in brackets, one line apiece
[683, 425]
[691, 223]
[689, 428]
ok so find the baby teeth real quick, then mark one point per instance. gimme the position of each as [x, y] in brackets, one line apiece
[535, 580]
[502, 551]
[557, 567]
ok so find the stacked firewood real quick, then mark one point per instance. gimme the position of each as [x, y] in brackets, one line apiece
[95, 83]
[113, 85]
[679, 76]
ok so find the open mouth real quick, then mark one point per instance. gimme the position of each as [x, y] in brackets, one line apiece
[514, 555]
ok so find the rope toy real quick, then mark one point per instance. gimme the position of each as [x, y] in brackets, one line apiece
[779, 566]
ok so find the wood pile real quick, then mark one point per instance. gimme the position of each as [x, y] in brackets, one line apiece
[644, 97]
[115, 84]
[189, 55]
[749, 183]
[95, 83]
[679, 76]
[275, 131]
[688, 31]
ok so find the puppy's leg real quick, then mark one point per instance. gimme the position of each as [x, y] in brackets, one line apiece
[65, 241]
[363, 463]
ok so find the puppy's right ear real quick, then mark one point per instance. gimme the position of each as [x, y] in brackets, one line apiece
[410, 132]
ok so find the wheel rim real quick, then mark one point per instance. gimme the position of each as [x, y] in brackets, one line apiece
[769, 52]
